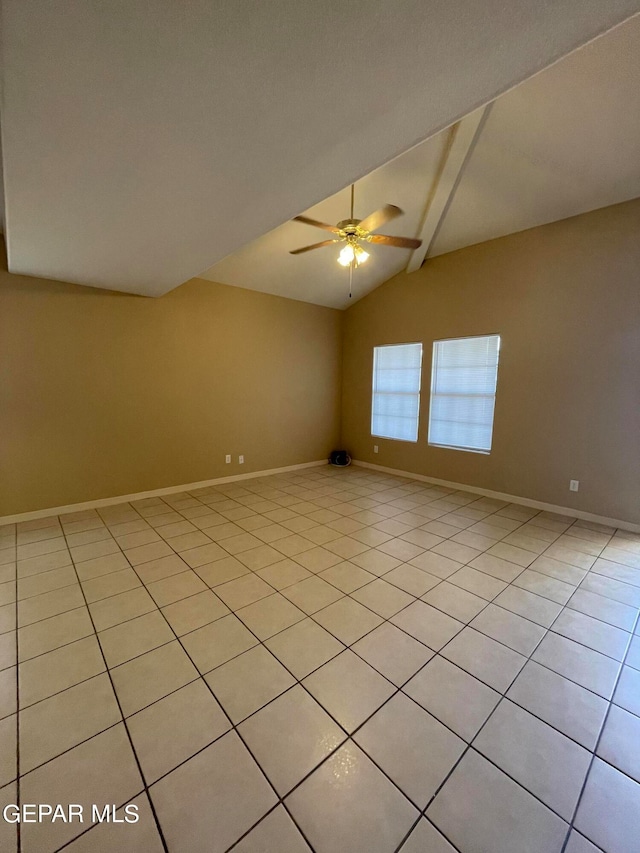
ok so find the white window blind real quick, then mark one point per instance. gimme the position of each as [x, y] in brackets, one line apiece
[396, 391]
[463, 392]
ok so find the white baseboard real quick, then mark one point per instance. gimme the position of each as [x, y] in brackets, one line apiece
[153, 493]
[516, 499]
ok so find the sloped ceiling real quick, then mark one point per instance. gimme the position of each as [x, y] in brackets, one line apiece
[143, 142]
[265, 264]
[562, 143]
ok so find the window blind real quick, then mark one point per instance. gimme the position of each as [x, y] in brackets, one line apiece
[396, 391]
[463, 392]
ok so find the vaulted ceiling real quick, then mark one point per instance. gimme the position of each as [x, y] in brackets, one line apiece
[562, 143]
[144, 142]
[565, 142]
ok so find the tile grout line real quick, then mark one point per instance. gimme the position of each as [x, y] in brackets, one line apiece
[18, 775]
[345, 595]
[379, 576]
[123, 720]
[469, 746]
[255, 571]
[280, 800]
[350, 736]
[298, 683]
[422, 813]
[467, 624]
[594, 754]
[310, 616]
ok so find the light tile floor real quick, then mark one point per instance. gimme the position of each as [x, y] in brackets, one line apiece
[334, 660]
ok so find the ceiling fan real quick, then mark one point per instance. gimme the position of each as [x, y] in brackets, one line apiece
[352, 232]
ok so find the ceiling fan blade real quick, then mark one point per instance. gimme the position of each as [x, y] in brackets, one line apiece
[378, 218]
[399, 242]
[314, 222]
[314, 246]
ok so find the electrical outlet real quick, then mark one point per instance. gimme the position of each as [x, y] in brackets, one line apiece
[227, 458]
[375, 448]
[573, 485]
[241, 460]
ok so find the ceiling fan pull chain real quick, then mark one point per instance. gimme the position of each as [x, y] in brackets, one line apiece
[350, 277]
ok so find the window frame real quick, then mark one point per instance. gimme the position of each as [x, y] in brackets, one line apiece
[432, 394]
[391, 393]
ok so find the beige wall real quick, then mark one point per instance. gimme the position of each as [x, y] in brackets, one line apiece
[566, 300]
[104, 394]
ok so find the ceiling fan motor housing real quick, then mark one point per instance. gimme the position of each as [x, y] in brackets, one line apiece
[348, 224]
[351, 231]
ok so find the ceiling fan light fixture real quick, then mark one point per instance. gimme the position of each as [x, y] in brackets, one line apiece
[351, 253]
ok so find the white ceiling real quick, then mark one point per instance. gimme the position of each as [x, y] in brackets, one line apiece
[562, 143]
[143, 142]
[265, 264]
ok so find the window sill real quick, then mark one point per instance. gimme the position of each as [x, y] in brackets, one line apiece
[463, 449]
[390, 438]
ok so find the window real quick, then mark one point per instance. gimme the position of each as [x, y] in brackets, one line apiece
[396, 391]
[463, 392]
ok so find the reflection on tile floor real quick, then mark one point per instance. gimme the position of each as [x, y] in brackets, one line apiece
[328, 660]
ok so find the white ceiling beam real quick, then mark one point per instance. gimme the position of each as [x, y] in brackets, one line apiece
[462, 139]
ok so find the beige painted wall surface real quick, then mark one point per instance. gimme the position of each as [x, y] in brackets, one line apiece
[104, 394]
[565, 298]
